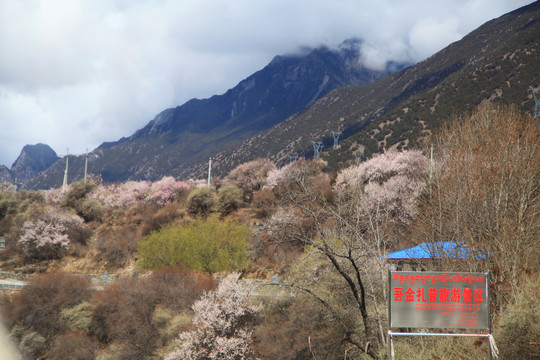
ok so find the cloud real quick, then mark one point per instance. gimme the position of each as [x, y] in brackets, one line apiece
[430, 35]
[77, 73]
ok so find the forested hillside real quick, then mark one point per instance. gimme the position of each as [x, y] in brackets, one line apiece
[277, 262]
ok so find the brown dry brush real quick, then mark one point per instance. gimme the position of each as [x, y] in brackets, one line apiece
[314, 220]
[484, 193]
[61, 317]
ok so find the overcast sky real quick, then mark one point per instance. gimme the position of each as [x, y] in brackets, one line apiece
[76, 73]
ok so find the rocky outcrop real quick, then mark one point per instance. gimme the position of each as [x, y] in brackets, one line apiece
[33, 160]
[5, 174]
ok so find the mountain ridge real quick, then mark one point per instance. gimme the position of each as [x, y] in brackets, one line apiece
[496, 62]
[180, 138]
[32, 160]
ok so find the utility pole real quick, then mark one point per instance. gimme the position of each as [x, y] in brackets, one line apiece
[209, 170]
[65, 182]
[86, 165]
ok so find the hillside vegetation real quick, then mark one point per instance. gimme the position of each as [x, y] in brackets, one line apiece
[277, 262]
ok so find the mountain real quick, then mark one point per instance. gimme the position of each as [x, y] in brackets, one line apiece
[178, 139]
[496, 63]
[32, 160]
[317, 92]
[5, 174]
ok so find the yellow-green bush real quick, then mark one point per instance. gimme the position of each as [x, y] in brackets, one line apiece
[206, 245]
[202, 201]
[229, 199]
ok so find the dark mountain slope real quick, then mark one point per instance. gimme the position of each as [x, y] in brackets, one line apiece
[497, 62]
[179, 139]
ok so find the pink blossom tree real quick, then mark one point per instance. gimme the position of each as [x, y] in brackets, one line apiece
[168, 189]
[391, 183]
[277, 175]
[47, 237]
[122, 194]
[131, 192]
[53, 196]
[198, 183]
[250, 176]
[221, 317]
[296, 171]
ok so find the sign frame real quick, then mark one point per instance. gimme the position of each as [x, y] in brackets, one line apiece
[438, 300]
[483, 320]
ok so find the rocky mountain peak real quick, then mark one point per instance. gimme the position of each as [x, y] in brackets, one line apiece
[33, 160]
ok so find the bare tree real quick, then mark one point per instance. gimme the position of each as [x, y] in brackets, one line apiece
[483, 195]
[351, 229]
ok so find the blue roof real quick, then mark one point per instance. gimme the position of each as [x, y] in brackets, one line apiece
[436, 251]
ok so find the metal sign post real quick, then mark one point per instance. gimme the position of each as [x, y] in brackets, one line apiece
[438, 300]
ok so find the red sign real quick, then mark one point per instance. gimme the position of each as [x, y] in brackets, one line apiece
[439, 300]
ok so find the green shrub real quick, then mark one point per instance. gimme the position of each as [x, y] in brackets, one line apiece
[77, 318]
[16, 208]
[75, 198]
[229, 199]
[32, 345]
[90, 210]
[206, 245]
[77, 191]
[202, 201]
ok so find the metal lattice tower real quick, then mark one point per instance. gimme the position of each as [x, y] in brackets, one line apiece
[536, 112]
[317, 148]
[336, 135]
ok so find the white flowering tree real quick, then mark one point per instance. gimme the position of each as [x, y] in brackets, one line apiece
[168, 189]
[121, 194]
[130, 192]
[390, 184]
[250, 176]
[223, 318]
[47, 237]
